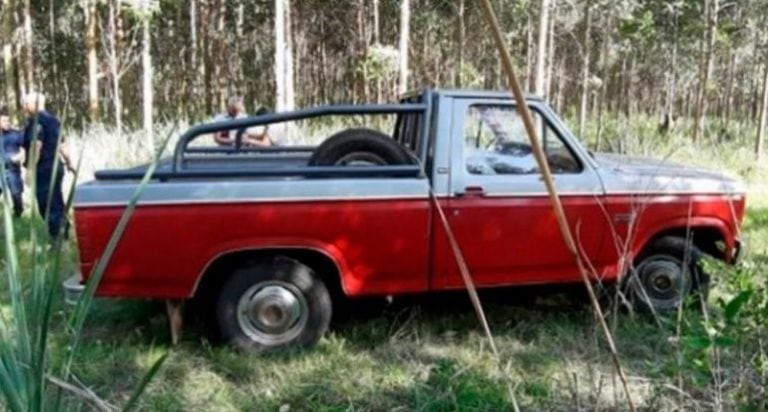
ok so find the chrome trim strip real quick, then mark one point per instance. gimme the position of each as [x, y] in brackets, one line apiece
[181, 202]
[251, 191]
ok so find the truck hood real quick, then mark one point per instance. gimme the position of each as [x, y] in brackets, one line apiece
[623, 173]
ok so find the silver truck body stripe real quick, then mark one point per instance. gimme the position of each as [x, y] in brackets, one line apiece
[105, 194]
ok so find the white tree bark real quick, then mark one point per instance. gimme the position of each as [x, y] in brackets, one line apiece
[7, 30]
[194, 65]
[585, 69]
[712, 8]
[279, 55]
[114, 63]
[763, 115]
[284, 90]
[405, 28]
[290, 98]
[93, 64]
[29, 68]
[146, 79]
[541, 51]
[460, 38]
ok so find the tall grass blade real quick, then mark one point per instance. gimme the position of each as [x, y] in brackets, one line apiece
[77, 319]
[59, 245]
[139, 390]
[15, 348]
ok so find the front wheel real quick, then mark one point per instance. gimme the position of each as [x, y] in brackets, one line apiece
[273, 304]
[665, 274]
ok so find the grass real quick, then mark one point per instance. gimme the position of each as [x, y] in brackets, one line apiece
[430, 354]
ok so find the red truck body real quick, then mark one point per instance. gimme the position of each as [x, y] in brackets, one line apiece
[384, 246]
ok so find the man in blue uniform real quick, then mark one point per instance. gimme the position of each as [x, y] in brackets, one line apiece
[41, 139]
[13, 157]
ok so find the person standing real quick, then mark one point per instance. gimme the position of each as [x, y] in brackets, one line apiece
[13, 157]
[42, 141]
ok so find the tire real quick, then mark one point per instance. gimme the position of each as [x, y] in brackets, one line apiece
[273, 304]
[359, 147]
[660, 281]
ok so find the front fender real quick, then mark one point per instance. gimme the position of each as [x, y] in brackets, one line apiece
[682, 224]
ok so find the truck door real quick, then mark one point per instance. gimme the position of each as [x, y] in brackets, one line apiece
[498, 206]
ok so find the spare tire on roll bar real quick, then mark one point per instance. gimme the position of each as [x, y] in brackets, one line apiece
[359, 147]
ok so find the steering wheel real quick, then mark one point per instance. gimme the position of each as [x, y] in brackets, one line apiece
[516, 149]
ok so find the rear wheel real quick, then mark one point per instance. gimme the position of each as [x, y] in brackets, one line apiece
[665, 274]
[273, 304]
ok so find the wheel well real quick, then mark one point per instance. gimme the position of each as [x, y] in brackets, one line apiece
[222, 267]
[707, 239]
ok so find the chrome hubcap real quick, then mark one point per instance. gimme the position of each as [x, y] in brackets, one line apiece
[663, 280]
[361, 159]
[272, 312]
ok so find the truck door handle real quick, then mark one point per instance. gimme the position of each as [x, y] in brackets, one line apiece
[473, 191]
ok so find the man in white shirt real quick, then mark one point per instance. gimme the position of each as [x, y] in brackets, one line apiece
[252, 136]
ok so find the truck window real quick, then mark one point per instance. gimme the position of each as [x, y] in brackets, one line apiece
[496, 143]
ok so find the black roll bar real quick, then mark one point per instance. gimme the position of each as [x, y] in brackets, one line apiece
[266, 119]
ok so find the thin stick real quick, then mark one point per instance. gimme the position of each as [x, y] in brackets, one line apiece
[85, 393]
[541, 160]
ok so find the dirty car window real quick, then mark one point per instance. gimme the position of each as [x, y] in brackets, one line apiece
[496, 143]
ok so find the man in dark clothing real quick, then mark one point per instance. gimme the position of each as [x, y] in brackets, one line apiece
[41, 138]
[13, 157]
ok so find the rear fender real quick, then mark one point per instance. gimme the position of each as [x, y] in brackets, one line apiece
[264, 245]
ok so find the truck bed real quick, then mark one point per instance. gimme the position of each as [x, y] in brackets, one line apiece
[221, 160]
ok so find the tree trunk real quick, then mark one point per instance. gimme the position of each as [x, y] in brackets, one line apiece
[585, 69]
[9, 88]
[671, 92]
[529, 50]
[280, 80]
[290, 97]
[377, 41]
[604, 66]
[550, 60]
[460, 35]
[763, 114]
[729, 90]
[362, 50]
[283, 57]
[629, 95]
[541, 50]
[93, 64]
[706, 70]
[29, 67]
[146, 79]
[239, 35]
[113, 9]
[622, 86]
[206, 68]
[405, 25]
[195, 68]
[52, 38]
[222, 69]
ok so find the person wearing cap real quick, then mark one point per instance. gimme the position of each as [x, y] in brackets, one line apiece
[13, 157]
[251, 136]
[42, 140]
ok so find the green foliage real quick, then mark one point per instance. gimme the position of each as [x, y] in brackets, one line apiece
[28, 358]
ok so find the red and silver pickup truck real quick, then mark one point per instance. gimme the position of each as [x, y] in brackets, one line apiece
[274, 234]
